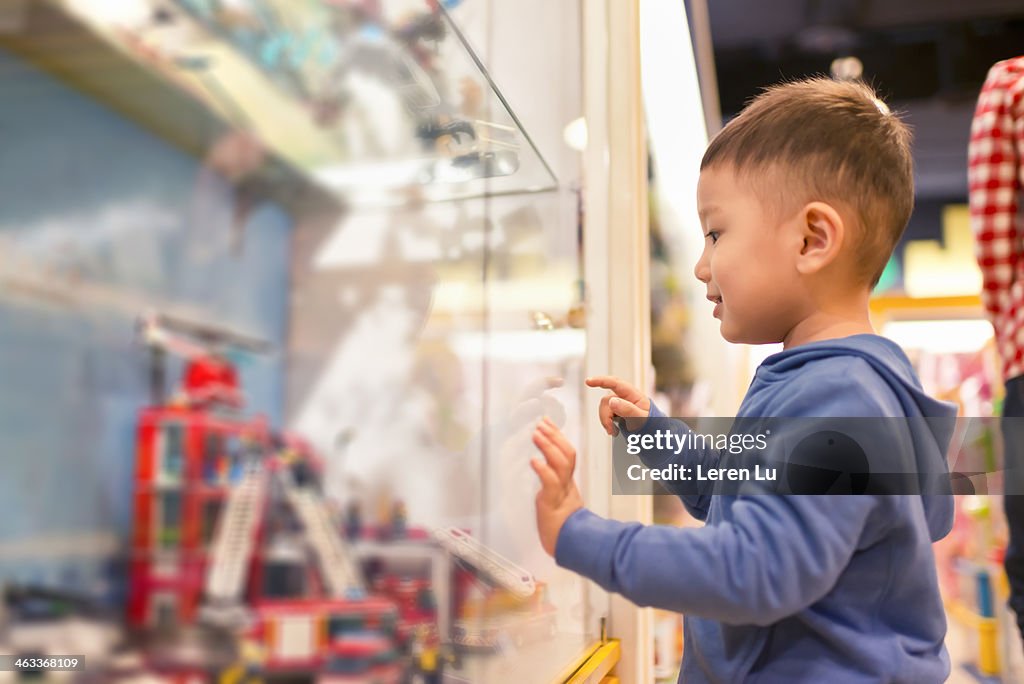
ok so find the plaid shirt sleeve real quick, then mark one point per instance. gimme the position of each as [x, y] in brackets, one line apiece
[994, 179]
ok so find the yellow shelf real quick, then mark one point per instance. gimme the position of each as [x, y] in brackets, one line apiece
[595, 665]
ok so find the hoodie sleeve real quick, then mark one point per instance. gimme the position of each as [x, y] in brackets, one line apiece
[697, 503]
[774, 556]
[778, 555]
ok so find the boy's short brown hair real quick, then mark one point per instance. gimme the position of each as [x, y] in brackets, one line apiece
[833, 141]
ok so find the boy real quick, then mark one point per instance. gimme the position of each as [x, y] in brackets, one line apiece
[801, 198]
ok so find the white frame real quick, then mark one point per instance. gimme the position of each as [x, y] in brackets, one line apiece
[616, 258]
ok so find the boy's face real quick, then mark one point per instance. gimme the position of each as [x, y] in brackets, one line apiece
[748, 262]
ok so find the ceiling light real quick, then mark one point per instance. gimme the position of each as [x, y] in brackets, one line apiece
[846, 68]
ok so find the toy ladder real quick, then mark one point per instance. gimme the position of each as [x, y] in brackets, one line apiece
[233, 545]
[340, 574]
[490, 563]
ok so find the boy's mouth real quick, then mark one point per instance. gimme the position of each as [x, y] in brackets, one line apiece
[718, 304]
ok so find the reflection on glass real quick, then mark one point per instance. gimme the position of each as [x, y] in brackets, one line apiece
[341, 90]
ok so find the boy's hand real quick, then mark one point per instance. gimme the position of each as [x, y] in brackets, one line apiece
[558, 497]
[625, 401]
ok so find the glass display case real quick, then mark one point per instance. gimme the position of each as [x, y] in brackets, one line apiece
[454, 326]
[367, 212]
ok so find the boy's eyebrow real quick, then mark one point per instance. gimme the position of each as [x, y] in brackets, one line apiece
[703, 213]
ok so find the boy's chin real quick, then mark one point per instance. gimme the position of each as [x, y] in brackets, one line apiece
[739, 336]
[731, 335]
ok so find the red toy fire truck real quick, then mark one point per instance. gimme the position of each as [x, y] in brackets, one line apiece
[231, 529]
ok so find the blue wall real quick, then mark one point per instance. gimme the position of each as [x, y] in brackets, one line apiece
[86, 194]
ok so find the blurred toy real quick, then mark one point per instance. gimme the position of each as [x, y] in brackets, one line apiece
[510, 607]
[429, 658]
[398, 520]
[339, 637]
[210, 379]
[353, 520]
[232, 536]
[249, 668]
[499, 569]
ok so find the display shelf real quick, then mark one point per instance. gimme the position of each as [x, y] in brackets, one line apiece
[135, 83]
[369, 108]
[397, 92]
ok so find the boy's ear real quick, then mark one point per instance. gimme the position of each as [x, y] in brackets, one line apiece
[823, 234]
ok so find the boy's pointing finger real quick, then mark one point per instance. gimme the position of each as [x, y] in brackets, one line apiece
[617, 385]
[626, 409]
[635, 417]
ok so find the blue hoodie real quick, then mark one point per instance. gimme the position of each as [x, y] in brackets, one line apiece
[792, 589]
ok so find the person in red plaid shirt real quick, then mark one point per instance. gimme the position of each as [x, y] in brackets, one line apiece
[994, 177]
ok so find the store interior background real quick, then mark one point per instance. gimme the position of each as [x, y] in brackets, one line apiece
[414, 336]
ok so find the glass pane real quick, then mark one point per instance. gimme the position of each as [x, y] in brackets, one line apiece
[533, 354]
[264, 250]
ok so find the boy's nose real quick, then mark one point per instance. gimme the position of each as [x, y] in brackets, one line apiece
[701, 269]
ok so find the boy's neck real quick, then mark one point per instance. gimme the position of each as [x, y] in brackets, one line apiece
[842, 320]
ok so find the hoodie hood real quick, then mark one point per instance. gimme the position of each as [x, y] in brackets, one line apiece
[792, 383]
[885, 356]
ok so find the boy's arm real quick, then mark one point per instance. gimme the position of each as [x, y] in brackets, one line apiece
[778, 555]
[775, 556]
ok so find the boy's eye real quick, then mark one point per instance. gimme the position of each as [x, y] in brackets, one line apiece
[713, 234]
